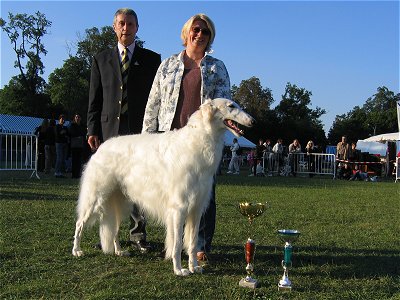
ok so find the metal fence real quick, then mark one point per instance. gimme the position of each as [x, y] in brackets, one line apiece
[18, 152]
[299, 163]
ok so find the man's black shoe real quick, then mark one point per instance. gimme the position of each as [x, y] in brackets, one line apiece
[142, 246]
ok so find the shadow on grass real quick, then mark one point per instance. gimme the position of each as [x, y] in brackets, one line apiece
[340, 263]
[34, 196]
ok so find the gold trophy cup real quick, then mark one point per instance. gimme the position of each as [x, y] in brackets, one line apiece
[251, 211]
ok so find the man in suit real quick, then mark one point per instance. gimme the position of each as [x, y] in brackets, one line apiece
[119, 88]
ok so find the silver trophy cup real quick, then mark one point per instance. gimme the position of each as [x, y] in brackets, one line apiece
[288, 237]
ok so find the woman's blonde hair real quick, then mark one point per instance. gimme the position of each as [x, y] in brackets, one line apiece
[188, 25]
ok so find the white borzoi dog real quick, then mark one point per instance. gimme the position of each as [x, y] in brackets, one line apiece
[169, 175]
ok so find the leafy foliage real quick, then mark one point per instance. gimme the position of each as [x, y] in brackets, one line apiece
[297, 120]
[378, 115]
[291, 118]
[24, 94]
[257, 102]
[69, 86]
[25, 33]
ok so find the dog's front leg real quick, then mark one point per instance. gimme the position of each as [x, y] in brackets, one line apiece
[175, 226]
[191, 232]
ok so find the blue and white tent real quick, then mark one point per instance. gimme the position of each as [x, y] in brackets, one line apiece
[18, 124]
[21, 124]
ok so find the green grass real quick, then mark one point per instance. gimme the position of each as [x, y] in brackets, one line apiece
[349, 246]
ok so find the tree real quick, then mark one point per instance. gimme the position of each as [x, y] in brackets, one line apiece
[378, 115]
[24, 94]
[350, 125]
[297, 120]
[15, 101]
[25, 33]
[69, 86]
[256, 101]
[381, 113]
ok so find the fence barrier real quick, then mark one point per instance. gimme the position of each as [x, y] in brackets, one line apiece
[299, 163]
[18, 152]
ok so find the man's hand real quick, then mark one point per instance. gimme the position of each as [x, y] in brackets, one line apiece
[93, 142]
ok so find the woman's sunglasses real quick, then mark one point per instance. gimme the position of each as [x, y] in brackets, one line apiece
[204, 31]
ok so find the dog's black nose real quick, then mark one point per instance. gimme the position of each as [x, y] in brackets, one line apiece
[253, 121]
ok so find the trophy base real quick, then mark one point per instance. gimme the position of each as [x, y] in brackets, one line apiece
[284, 288]
[249, 283]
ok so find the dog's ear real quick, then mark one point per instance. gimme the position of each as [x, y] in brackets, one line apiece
[207, 110]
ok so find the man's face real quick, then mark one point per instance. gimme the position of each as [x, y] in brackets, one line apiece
[125, 27]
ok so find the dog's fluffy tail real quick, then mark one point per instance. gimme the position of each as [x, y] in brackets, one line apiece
[93, 206]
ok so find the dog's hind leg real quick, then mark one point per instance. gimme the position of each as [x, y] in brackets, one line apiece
[85, 216]
[76, 250]
[109, 225]
[117, 247]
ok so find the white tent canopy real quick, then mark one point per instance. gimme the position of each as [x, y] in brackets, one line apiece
[372, 147]
[394, 136]
[243, 142]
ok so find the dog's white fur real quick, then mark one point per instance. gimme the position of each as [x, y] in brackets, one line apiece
[169, 175]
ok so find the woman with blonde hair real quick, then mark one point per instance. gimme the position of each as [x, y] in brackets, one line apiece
[183, 82]
[310, 149]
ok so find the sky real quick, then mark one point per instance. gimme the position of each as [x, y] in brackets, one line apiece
[340, 51]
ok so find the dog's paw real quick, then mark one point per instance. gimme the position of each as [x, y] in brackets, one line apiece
[197, 270]
[182, 272]
[77, 253]
[122, 253]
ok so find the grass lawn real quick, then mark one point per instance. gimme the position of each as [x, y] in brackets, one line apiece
[349, 246]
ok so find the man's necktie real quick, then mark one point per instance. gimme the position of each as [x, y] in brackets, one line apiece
[124, 72]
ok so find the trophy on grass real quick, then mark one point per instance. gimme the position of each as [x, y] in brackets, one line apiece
[288, 237]
[250, 210]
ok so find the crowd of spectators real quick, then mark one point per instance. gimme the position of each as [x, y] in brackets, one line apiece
[62, 146]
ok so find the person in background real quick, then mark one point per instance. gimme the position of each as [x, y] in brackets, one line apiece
[354, 154]
[61, 138]
[294, 148]
[310, 149]
[77, 135]
[345, 172]
[260, 150]
[343, 149]
[357, 174]
[278, 155]
[120, 83]
[234, 163]
[40, 132]
[268, 156]
[50, 147]
[183, 82]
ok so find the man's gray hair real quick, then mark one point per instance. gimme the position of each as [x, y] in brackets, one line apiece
[126, 11]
